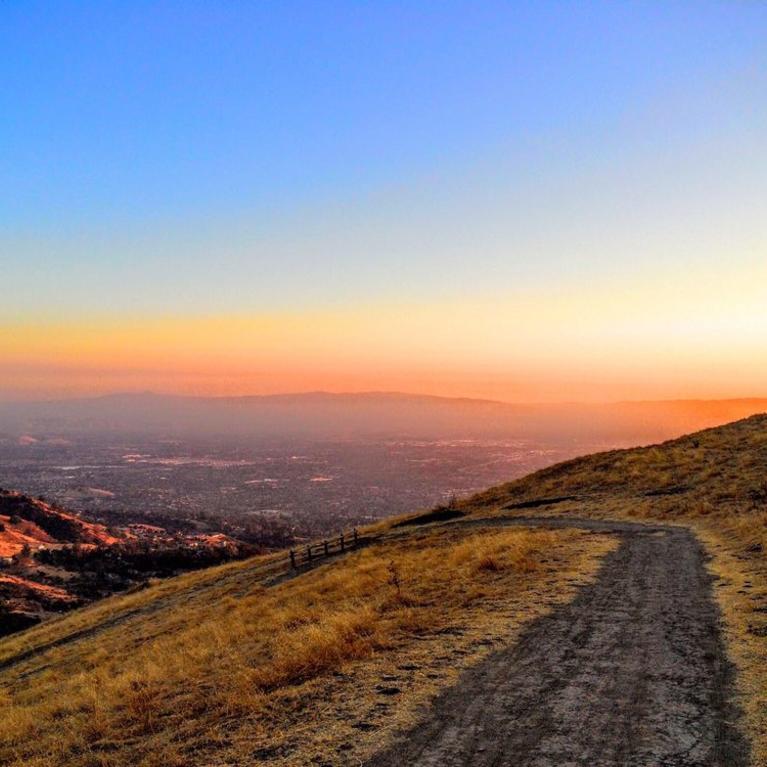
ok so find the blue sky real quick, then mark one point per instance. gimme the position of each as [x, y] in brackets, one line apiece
[133, 132]
[177, 157]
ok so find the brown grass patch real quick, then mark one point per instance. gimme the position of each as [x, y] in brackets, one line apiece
[284, 674]
[738, 561]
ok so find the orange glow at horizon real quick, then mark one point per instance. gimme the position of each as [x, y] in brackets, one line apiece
[675, 337]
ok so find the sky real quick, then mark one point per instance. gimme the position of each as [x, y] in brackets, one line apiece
[525, 201]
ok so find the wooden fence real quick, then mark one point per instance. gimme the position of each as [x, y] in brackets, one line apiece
[313, 551]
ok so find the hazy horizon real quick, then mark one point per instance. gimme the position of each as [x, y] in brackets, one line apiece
[369, 393]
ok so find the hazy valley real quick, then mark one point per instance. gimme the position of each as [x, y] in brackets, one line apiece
[152, 489]
[274, 469]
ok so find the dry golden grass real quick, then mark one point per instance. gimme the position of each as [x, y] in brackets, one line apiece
[217, 669]
[715, 482]
[233, 577]
[737, 548]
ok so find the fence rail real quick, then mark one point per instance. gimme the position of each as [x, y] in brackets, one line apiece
[312, 551]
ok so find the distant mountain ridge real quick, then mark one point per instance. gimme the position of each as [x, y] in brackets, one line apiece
[329, 415]
[323, 395]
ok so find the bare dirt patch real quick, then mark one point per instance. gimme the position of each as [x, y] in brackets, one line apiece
[631, 673]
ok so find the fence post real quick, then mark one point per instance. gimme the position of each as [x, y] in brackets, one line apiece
[293, 559]
[355, 536]
[342, 541]
[326, 547]
[309, 553]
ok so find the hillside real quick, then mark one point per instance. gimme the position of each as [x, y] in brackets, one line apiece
[31, 526]
[720, 472]
[34, 523]
[245, 664]
[52, 560]
[253, 663]
[714, 482]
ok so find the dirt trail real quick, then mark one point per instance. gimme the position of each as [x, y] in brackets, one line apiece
[632, 673]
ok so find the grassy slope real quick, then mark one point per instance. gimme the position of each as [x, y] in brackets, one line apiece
[714, 481]
[215, 668]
